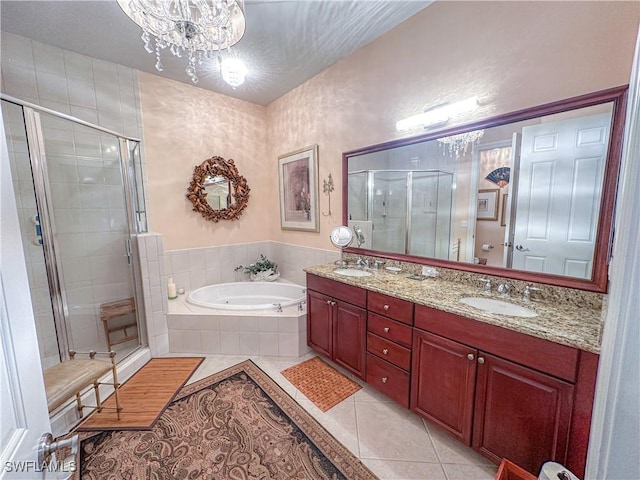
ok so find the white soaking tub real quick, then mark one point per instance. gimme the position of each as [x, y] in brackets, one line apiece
[248, 296]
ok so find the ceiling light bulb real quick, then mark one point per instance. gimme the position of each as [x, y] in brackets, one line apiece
[233, 71]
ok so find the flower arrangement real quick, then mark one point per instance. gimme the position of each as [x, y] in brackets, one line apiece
[262, 270]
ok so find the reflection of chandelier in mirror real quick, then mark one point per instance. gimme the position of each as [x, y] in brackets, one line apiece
[196, 29]
[459, 144]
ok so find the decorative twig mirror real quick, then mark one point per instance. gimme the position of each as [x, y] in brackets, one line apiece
[217, 190]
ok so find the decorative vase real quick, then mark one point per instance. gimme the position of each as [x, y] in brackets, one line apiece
[265, 276]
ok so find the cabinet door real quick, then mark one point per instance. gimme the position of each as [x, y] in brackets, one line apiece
[520, 414]
[319, 318]
[442, 383]
[349, 329]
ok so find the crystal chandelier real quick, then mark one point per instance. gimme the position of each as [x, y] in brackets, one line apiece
[457, 144]
[195, 29]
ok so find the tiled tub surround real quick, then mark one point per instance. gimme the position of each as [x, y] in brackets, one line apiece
[195, 268]
[199, 330]
[568, 323]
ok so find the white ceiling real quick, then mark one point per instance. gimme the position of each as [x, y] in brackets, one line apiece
[286, 41]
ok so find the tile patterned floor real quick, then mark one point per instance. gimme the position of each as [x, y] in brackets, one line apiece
[392, 441]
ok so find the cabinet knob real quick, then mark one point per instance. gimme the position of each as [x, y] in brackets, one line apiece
[385, 351]
[384, 379]
[386, 329]
[386, 307]
[470, 356]
[328, 302]
[333, 303]
[481, 360]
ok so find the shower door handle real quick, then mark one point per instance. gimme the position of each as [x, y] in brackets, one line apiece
[127, 247]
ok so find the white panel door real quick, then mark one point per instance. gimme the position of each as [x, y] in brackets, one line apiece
[561, 172]
[23, 409]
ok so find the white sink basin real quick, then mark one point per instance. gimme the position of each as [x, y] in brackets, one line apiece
[352, 272]
[498, 307]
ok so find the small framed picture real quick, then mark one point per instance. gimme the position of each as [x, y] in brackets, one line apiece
[298, 174]
[487, 204]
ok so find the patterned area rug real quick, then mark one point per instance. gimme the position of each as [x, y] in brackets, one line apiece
[321, 383]
[237, 424]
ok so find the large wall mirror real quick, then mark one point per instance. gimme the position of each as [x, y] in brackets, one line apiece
[527, 195]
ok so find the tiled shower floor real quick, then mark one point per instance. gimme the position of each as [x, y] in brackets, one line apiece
[392, 441]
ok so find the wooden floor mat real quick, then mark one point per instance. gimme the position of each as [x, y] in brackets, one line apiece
[321, 383]
[144, 396]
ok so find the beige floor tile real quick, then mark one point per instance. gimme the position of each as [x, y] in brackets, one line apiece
[470, 472]
[388, 431]
[398, 470]
[450, 450]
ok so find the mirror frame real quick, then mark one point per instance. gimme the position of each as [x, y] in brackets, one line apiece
[197, 194]
[599, 278]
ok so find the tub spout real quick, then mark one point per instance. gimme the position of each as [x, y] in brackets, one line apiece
[278, 307]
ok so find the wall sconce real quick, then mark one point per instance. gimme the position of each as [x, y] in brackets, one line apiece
[438, 115]
[327, 188]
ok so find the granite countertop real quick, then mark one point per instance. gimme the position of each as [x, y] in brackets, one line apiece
[565, 324]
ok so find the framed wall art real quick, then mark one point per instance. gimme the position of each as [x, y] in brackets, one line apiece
[487, 204]
[298, 176]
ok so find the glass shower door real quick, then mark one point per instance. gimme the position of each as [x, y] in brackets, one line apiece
[388, 211]
[90, 231]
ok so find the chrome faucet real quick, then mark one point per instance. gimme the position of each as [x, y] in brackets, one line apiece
[486, 288]
[278, 307]
[363, 263]
[526, 294]
[504, 289]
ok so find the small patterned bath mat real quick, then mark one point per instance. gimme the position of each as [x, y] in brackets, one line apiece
[321, 383]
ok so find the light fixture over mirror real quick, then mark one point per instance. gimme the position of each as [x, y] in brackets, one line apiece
[195, 29]
[530, 199]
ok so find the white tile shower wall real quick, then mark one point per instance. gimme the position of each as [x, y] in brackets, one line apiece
[84, 173]
[151, 257]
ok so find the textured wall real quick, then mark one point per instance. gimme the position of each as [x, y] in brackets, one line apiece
[512, 54]
[183, 126]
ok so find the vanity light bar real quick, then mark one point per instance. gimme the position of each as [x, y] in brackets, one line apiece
[438, 115]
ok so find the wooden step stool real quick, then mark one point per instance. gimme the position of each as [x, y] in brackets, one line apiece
[112, 310]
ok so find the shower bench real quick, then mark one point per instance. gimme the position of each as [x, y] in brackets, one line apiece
[67, 379]
[114, 310]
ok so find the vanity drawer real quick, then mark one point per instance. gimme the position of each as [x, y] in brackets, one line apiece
[388, 379]
[341, 291]
[390, 351]
[392, 307]
[389, 329]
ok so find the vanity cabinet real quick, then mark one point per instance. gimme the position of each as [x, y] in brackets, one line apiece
[389, 340]
[336, 323]
[506, 394]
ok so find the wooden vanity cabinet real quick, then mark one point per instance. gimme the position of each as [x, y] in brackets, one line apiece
[506, 394]
[389, 339]
[336, 323]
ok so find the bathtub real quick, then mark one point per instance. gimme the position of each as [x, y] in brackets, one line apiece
[248, 296]
[249, 324]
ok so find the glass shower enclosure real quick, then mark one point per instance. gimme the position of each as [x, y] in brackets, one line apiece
[403, 211]
[79, 197]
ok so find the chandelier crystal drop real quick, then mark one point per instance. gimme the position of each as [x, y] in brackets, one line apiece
[459, 144]
[194, 29]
